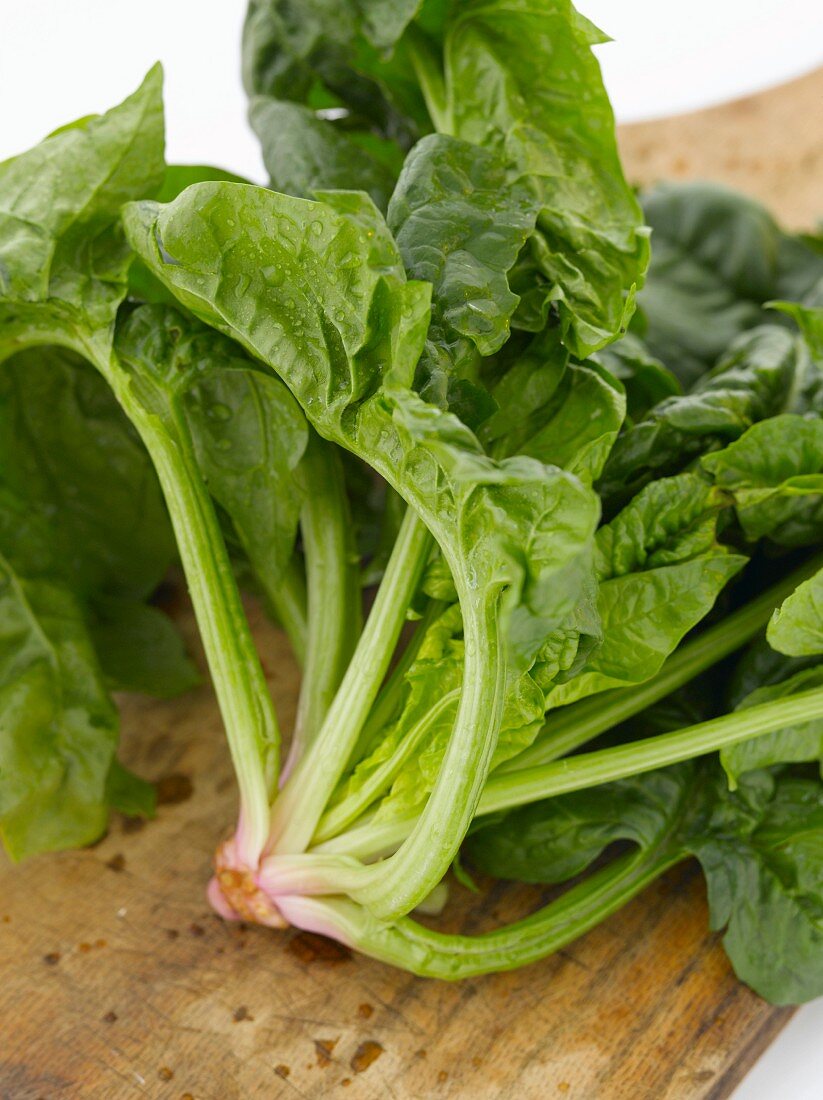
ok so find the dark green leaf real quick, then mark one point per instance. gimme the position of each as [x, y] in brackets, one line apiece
[460, 224]
[303, 153]
[775, 474]
[522, 80]
[69, 451]
[758, 377]
[140, 649]
[128, 793]
[660, 570]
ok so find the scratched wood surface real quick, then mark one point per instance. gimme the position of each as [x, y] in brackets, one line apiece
[116, 981]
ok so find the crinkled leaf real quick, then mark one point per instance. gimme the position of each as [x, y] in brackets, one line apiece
[756, 378]
[660, 569]
[764, 877]
[460, 224]
[63, 257]
[775, 474]
[522, 80]
[176, 178]
[318, 291]
[562, 413]
[343, 56]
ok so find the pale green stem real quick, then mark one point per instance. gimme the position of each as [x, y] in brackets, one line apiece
[334, 613]
[304, 796]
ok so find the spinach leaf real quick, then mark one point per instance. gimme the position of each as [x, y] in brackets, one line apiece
[717, 258]
[176, 178]
[555, 840]
[796, 627]
[139, 649]
[760, 847]
[341, 56]
[762, 854]
[67, 448]
[775, 474]
[247, 431]
[758, 377]
[60, 728]
[523, 81]
[63, 256]
[460, 224]
[336, 318]
[337, 307]
[797, 743]
[660, 569]
[644, 378]
[303, 153]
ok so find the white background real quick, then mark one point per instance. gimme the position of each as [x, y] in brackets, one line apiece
[61, 60]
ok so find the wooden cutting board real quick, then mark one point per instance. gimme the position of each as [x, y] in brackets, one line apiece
[116, 981]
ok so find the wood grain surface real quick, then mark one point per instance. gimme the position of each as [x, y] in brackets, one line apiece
[117, 982]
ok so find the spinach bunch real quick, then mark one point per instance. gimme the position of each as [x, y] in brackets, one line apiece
[409, 361]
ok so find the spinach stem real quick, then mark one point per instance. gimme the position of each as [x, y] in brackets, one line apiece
[503, 792]
[241, 689]
[303, 798]
[432, 954]
[334, 614]
[430, 78]
[396, 886]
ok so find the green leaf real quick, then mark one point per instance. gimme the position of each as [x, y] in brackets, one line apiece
[758, 377]
[460, 224]
[522, 80]
[128, 793]
[63, 257]
[247, 431]
[551, 841]
[177, 177]
[796, 627]
[644, 378]
[335, 317]
[59, 729]
[344, 55]
[760, 847]
[797, 743]
[67, 448]
[809, 319]
[561, 413]
[303, 153]
[140, 649]
[775, 474]
[660, 570]
[764, 869]
[717, 257]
